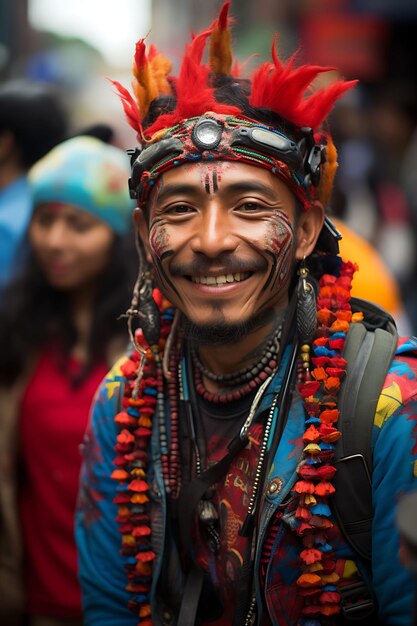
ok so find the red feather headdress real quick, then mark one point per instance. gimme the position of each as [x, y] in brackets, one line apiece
[278, 86]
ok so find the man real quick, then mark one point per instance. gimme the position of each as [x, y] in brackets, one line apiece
[208, 479]
[32, 121]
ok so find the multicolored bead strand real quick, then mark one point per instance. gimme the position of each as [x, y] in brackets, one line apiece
[142, 400]
[319, 389]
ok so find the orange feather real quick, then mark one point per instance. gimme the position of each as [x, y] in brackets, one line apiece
[220, 50]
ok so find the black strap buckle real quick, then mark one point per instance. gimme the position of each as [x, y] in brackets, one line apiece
[357, 602]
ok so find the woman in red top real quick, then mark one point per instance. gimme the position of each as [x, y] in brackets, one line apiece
[58, 334]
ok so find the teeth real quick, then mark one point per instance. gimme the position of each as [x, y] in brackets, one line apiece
[220, 280]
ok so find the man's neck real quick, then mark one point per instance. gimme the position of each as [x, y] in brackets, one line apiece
[227, 358]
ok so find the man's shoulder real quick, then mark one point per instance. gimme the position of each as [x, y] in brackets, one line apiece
[403, 367]
[400, 386]
[114, 380]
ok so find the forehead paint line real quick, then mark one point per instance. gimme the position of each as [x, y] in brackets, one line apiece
[207, 184]
[210, 176]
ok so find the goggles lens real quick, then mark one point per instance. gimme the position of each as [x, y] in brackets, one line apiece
[206, 134]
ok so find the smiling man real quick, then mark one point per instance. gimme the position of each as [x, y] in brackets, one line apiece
[224, 245]
[210, 493]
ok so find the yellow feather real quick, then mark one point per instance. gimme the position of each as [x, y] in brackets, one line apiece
[220, 51]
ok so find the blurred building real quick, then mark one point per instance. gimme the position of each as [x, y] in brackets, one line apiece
[368, 39]
[16, 38]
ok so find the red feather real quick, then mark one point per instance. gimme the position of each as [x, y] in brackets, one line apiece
[140, 54]
[130, 107]
[316, 108]
[283, 89]
[222, 19]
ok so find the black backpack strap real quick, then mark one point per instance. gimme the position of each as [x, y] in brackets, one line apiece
[369, 349]
[191, 597]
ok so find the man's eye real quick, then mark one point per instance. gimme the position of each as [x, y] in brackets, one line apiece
[250, 207]
[179, 209]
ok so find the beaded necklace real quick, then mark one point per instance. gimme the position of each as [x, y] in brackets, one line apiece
[244, 381]
[321, 370]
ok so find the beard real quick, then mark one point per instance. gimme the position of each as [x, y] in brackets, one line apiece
[224, 332]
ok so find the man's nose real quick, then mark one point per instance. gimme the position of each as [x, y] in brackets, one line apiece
[214, 235]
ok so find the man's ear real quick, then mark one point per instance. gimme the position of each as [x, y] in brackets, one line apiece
[309, 225]
[141, 224]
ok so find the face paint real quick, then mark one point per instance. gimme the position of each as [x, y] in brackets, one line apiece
[211, 175]
[158, 238]
[160, 250]
[279, 244]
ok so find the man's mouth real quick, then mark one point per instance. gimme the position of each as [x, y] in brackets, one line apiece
[220, 279]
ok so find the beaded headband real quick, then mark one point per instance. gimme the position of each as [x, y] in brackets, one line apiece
[214, 136]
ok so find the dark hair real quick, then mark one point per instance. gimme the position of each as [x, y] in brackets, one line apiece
[104, 132]
[35, 116]
[34, 313]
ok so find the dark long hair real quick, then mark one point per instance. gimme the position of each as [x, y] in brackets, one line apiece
[32, 314]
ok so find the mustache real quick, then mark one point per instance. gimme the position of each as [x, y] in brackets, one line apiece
[228, 264]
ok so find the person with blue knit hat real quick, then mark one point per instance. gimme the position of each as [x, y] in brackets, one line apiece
[88, 174]
[59, 332]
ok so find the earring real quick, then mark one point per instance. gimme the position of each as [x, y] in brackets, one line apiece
[306, 315]
[144, 308]
[148, 312]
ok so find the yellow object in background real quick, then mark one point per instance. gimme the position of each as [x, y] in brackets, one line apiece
[374, 280]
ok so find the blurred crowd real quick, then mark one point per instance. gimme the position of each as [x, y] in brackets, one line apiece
[375, 192]
[67, 265]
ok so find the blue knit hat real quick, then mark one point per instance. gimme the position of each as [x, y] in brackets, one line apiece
[89, 174]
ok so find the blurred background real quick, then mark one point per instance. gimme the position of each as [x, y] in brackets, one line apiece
[76, 45]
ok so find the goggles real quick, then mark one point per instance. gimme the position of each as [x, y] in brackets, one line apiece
[214, 136]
